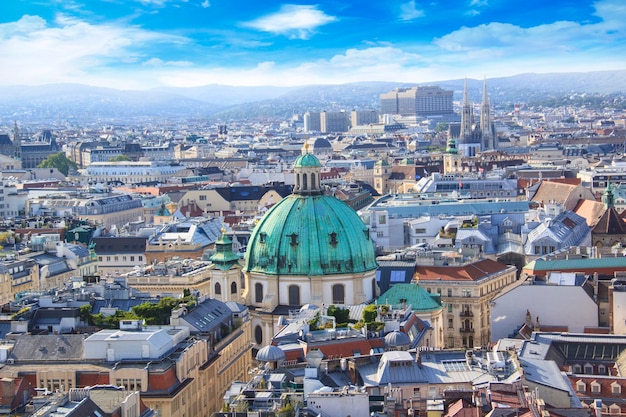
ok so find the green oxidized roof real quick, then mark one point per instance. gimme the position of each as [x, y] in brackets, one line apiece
[224, 257]
[310, 235]
[307, 160]
[419, 299]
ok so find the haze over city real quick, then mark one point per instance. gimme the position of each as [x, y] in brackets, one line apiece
[173, 43]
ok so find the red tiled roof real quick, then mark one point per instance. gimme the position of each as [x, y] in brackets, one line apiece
[472, 272]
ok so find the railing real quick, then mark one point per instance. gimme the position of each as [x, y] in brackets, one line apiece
[467, 330]
[466, 313]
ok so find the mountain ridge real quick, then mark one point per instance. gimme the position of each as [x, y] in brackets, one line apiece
[79, 102]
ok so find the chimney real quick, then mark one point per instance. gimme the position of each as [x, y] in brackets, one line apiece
[597, 404]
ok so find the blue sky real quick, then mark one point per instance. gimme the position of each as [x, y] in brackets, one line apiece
[140, 44]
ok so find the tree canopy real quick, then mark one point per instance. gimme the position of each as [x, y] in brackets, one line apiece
[58, 161]
[119, 158]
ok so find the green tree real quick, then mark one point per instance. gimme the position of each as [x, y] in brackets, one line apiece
[58, 161]
[286, 411]
[441, 127]
[85, 314]
[370, 312]
[119, 158]
[341, 315]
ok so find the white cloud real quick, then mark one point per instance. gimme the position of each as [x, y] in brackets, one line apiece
[293, 21]
[205, 4]
[71, 50]
[158, 62]
[409, 11]
[478, 3]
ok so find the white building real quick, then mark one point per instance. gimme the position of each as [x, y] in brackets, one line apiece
[129, 172]
[344, 403]
[132, 341]
[562, 301]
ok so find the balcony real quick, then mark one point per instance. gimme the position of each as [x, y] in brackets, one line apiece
[466, 313]
[465, 329]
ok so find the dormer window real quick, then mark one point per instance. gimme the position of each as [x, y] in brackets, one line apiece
[333, 239]
[293, 239]
[262, 237]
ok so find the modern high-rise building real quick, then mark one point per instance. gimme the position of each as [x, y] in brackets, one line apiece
[312, 122]
[334, 121]
[417, 101]
[363, 117]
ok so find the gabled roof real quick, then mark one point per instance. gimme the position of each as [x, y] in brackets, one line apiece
[591, 210]
[611, 223]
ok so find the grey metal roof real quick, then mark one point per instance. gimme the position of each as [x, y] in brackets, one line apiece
[440, 367]
[207, 316]
[65, 347]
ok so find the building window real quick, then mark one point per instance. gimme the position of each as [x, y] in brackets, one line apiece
[581, 386]
[450, 323]
[595, 387]
[449, 308]
[258, 293]
[258, 335]
[449, 292]
[382, 219]
[218, 288]
[294, 295]
[233, 288]
[339, 296]
[202, 197]
[588, 369]
[616, 388]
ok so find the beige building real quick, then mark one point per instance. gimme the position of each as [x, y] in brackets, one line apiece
[244, 199]
[189, 380]
[466, 292]
[17, 276]
[172, 277]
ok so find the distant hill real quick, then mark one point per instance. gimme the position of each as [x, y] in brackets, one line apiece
[59, 102]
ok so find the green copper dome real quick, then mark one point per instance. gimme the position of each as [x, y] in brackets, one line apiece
[307, 160]
[310, 235]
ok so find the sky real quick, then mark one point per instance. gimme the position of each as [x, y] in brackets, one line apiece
[144, 44]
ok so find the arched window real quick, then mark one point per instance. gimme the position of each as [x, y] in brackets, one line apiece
[304, 183]
[339, 294]
[233, 288]
[294, 295]
[298, 182]
[218, 288]
[258, 292]
[258, 335]
[312, 181]
[374, 288]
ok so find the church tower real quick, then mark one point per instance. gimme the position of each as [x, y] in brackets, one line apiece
[608, 198]
[452, 159]
[17, 142]
[226, 276]
[487, 135]
[467, 117]
[382, 173]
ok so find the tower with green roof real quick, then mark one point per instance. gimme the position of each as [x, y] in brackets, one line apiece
[226, 275]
